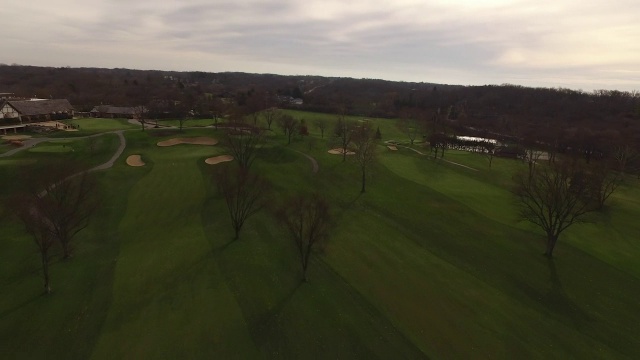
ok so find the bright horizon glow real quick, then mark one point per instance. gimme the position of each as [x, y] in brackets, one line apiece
[584, 45]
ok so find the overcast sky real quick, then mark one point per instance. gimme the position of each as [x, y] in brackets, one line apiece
[578, 44]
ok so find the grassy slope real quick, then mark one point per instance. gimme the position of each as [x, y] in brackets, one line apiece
[65, 324]
[419, 265]
[164, 280]
[504, 258]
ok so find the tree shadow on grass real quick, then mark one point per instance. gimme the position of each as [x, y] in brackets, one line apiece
[557, 300]
[217, 250]
[22, 305]
[554, 298]
[262, 325]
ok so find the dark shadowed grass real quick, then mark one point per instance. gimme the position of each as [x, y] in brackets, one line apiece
[429, 262]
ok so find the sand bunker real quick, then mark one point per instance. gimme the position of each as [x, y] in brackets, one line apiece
[340, 151]
[16, 137]
[218, 159]
[135, 160]
[202, 140]
[392, 148]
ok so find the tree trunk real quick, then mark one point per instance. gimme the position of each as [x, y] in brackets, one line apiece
[66, 250]
[363, 181]
[551, 244]
[304, 261]
[45, 271]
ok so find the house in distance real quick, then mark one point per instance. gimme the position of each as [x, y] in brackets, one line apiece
[35, 110]
[110, 111]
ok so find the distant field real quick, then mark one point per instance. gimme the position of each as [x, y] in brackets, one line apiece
[430, 262]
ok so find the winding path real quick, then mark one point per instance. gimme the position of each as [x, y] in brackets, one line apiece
[447, 161]
[35, 141]
[25, 145]
[110, 162]
[314, 162]
[455, 163]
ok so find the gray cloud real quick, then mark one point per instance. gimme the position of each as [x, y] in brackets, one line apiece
[564, 43]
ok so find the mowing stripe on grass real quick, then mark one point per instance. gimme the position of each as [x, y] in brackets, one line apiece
[166, 281]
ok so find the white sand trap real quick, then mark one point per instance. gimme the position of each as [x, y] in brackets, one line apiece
[16, 137]
[218, 159]
[202, 140]
[392, 148]
[340, 151]
[135, 160]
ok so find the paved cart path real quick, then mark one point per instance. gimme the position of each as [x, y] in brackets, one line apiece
[314, 162]
[29, 143]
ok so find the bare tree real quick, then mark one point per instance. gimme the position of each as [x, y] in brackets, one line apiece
[303, 130]
[321, 125]
[410, 125]
[244, 142]
[140, 113]
[307, 221]
[343, 132]
[236, 114]
[56, 202]
[185, 112]
[185, 107]
[624, 151]
[39, 227]
[488, 150]
[67, 200]
[531, 156]
[364, 143]
[438, 141]
[603, 182]
[269, 115]
[255, 104]
[244, 193]
[218, 110]
[553, 198]
[289, 125]
[182, 119]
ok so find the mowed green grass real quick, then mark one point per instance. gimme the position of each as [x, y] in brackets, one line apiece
[101, 124]
[90, 126]
[187, 123]
[429, 263]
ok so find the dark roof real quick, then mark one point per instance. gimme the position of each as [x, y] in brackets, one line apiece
[108, 109]
[41, 107]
